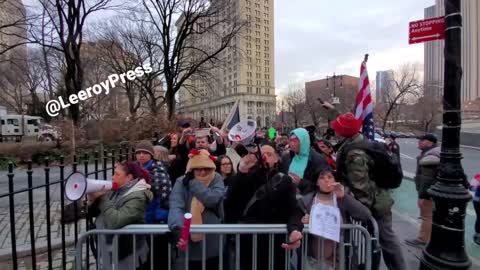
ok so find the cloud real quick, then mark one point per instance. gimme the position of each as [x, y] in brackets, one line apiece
[314, 38]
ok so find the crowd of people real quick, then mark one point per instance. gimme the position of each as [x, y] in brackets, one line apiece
[219, 181]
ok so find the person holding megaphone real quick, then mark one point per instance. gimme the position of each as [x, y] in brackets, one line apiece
[115, 209]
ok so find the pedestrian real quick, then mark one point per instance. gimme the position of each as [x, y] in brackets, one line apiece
[393, 146]
[200, 192]
[331, 193]
[225, 168]
[357, 173]
[328, 152]
[157, 210]
[427, 167]
[116, 209]
[261, 194]
[475, 190]
[301, 163]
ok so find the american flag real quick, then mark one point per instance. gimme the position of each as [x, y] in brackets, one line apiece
[364, 105]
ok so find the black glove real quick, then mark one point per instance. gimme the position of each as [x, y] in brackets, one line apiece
[174, 236]
[189, 176]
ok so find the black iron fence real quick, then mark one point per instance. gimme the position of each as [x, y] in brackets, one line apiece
[97, 166]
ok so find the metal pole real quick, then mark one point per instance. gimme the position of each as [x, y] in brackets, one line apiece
[446, 249]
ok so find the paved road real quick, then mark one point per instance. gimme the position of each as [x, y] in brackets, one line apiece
[409, 152]
[405, 196]
[20, 180]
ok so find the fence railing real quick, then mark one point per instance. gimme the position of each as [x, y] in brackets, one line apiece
[346, 252]
[30, 205]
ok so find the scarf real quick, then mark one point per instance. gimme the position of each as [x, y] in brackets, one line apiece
[197, 207]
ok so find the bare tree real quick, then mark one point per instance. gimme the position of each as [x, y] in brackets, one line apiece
[180, 24]
[405, 82]
[429, 107]
[295, 100]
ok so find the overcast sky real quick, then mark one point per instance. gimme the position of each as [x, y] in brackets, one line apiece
[314, 38]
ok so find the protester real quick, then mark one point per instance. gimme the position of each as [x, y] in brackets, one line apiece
[427, 166]
[328, 152]
[203, 142]
[199, 192]
[331, 193]
[178, 160]
[225, 169]
[157, 209]
[116, 209]
[261, 194]
[475, 190]
[300, 162]
[393, 146]
[377, 199]
[160, 153]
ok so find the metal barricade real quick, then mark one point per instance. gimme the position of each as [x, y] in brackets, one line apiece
[295, 260]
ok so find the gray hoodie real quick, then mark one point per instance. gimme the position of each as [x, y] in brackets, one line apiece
[212, 198]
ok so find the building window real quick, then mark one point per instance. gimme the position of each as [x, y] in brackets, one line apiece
[259, 82]
[266, 8]
[258, 61]
[249, 74]
[257, 26]
[258, 75]
[267, 83]
[257, 54]
[266, 2]
[249, 17]
[249, 67]
[266, 28]
[265, 21]
[257, 46]
[235, 75]
[249, 90]
[267, 62]
[235, 90]
[259, 68]
[266, 42]
[267, 69]
[257, 19]
[257, 5]
[267, 77]
[267, 91]
[267, 55]
[266, 35]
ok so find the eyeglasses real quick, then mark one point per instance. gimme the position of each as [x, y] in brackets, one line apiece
[203, 169]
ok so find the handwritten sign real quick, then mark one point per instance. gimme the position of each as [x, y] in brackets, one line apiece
[325, 221]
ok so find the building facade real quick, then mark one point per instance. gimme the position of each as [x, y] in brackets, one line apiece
[247, 74]
[346, 88]
[383, 86]
[434, 58]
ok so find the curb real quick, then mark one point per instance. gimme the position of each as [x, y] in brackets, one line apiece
[470, 147]
[40, 247]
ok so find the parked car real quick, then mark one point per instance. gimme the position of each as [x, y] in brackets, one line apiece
[387, 133]
[411, 135]
[379, 138]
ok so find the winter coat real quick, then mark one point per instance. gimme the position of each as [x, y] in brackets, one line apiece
[427, 166]
[161, 183]
[115, 210]
[377, 199]
[316, 163]
[211, 197]
[348, 207]
[278, 206]
[179, 165]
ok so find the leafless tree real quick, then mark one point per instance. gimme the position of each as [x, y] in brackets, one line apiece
[405, 83]
[180, 24]
[61, 24]
[429, 107]
[295, 100]
[20, 83]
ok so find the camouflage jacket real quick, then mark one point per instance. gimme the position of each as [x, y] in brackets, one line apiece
[378, 200]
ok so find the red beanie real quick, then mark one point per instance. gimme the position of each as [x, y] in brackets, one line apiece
[346, 125]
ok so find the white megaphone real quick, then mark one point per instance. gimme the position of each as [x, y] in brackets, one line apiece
[244, 133]
[78, 185]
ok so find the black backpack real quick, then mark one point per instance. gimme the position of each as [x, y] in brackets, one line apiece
[385, 169]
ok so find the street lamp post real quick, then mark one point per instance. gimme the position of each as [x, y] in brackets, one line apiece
[335, 99]
[446, 249]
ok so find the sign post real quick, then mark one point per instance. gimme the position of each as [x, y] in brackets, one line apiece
[426, 30]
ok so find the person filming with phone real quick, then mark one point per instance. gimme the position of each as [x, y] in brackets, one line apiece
[261, 194]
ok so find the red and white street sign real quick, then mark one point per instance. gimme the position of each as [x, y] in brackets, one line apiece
[426, 30]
